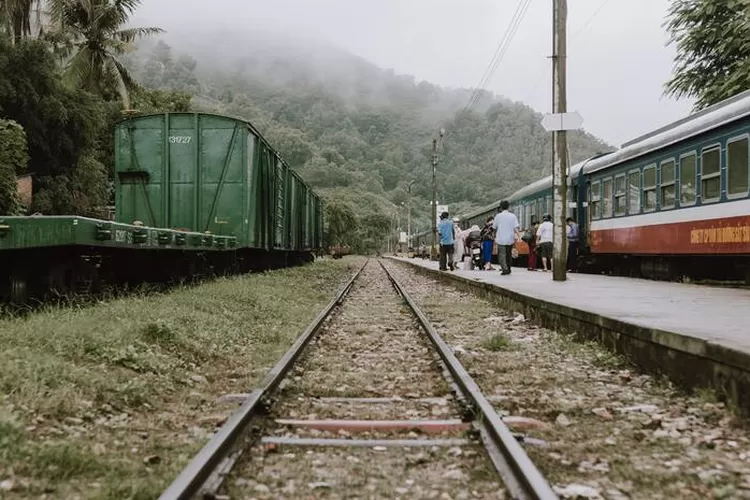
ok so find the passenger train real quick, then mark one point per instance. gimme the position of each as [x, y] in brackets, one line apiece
[673, 203]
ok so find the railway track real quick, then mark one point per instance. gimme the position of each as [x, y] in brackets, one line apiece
[368, 403]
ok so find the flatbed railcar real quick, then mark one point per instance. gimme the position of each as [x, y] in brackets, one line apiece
[673, 203]
[197, 194]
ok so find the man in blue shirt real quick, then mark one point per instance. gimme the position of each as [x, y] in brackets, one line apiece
[572, 244]
[447, 239]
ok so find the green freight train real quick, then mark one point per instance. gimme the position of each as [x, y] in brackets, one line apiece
[195, 194]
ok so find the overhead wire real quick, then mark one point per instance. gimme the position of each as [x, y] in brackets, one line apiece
[572, 39]
[500, 51]
[485, 75]
[510, 34]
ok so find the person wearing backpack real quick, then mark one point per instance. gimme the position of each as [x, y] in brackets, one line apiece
[488, 239]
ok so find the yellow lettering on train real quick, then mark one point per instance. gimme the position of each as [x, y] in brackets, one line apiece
[719, 235]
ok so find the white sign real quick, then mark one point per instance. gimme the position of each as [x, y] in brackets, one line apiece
[562, 121]
[402, 237]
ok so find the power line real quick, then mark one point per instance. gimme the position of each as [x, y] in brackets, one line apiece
[572, 39]
[510, 34]
[585, 25]
[499, 48]
[502, 48]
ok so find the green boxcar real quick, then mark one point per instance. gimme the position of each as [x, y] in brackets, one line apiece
[207, 173]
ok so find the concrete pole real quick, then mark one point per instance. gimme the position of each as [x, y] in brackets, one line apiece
[408, 214]
[560, 170]
[398, 228]
[434, 200]
[435, 144]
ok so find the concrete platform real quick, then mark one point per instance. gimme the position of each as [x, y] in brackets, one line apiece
[697, 335]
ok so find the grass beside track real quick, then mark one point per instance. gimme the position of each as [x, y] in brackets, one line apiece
[112, 400]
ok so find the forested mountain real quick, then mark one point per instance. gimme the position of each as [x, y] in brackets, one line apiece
[359, 134]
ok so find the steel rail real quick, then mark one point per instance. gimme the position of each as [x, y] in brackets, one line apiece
[202, 466]
[521, 477]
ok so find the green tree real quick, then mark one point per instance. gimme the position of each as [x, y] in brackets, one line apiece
[712, 39]
[97, 30]
[16, 17]
[356, 132]
[370, 236]
[83, 190]
[14, 157]
[62, 125]
[340, 221]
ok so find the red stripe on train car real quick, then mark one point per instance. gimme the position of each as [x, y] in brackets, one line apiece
[729, 235]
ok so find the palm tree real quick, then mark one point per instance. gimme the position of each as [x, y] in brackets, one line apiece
[97, 31]
[16, 17]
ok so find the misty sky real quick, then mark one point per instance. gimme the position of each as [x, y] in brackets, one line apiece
[617, 60]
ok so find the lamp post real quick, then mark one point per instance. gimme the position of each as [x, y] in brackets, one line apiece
[435, 145]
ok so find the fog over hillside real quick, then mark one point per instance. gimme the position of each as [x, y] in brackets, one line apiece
[360, 134]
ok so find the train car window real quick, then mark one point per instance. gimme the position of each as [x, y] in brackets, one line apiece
[607, 197]
[634, 192]
[649, 188]
[687, 179]
[711, 175]
[738, 166]
[667, 185]
[595, 200]
[527, 215]
[620, 195]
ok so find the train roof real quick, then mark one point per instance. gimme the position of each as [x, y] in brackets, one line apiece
[534, 187]
[129, 117]
[708, 119]
[480, 211]
[546, 182]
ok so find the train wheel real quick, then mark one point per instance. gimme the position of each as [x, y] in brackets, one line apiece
[18, 292]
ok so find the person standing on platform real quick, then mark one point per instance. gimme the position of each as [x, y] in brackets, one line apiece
[488, 238]
[447, 240]
[544, 240]
[458, 246]
[572, 244]
[506, 227]
[530, 239]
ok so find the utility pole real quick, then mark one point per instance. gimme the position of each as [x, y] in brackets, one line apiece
[398, 229]
[560, 143]
[435, 144]
[408, 214]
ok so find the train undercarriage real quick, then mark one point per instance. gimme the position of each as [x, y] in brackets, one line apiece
[720, 269]
[61, 274]
[681, 268]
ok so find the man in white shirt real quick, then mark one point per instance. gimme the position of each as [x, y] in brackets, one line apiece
[506, 233]
[544, 241]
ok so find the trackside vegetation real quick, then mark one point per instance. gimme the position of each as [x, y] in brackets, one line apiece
[112, 400]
